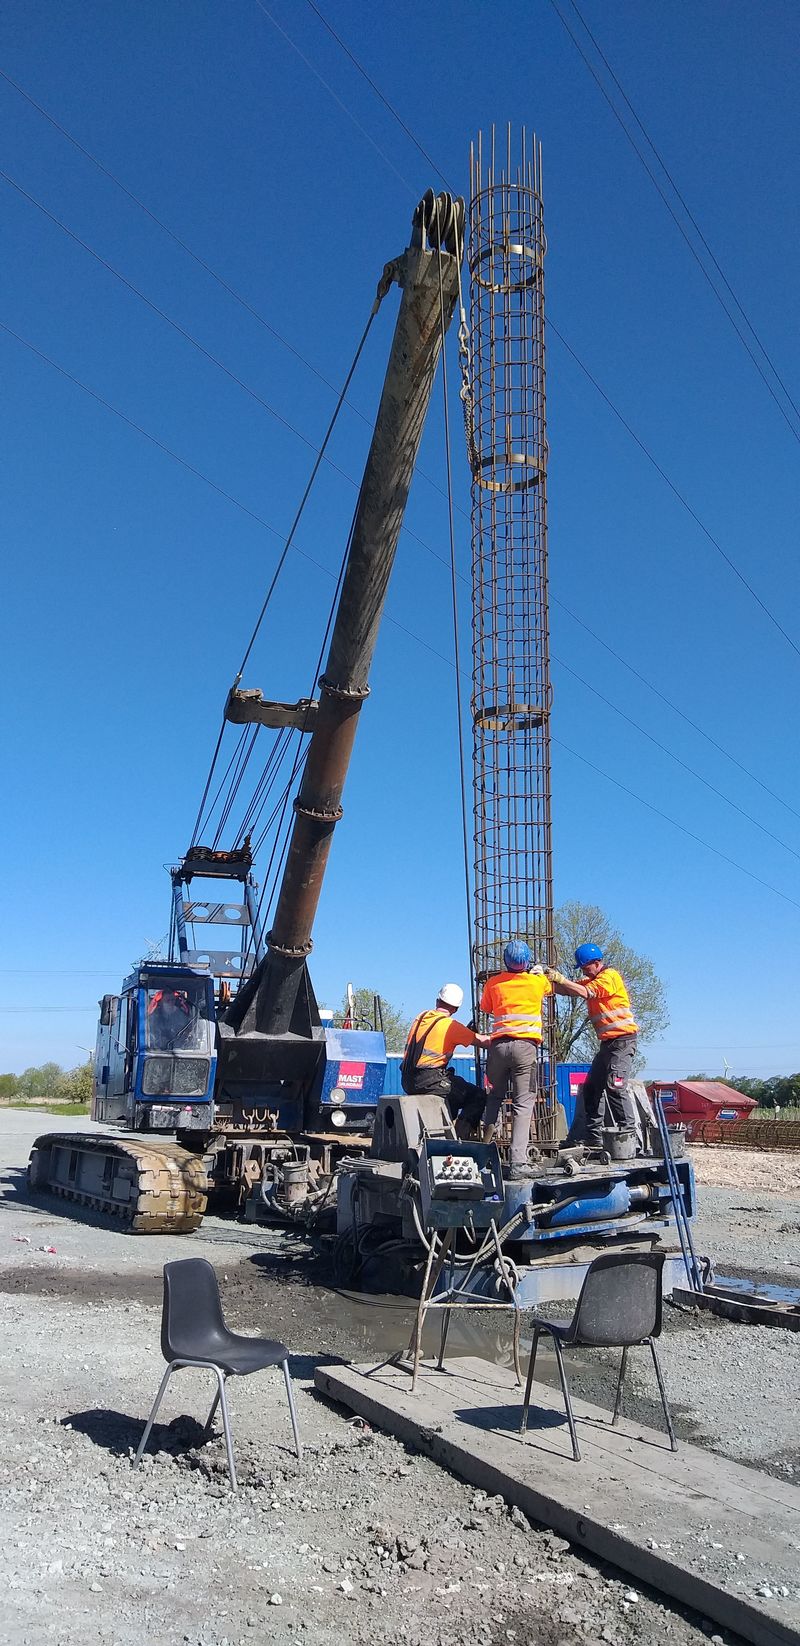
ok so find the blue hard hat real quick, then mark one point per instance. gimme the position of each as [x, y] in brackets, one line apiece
[517, 956]
[586, 952]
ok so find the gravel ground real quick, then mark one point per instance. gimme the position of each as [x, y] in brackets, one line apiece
[777, 1170]
[363, 1540]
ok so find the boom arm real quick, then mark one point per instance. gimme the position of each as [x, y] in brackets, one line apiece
[272, 1002]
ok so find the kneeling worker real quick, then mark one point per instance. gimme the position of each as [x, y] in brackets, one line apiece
[513, 1000]
[432, 1039]
[612, 1019]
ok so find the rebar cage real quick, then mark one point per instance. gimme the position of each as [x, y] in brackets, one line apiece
[511, 694]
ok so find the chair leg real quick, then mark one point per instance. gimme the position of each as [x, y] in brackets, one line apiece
[529, 1383]
[567, 1402]
[151, 1420]
[226, 1424]
[443, 1343]
[210, 1418]
[663, 1393]
[515, 1344]
[618, 1401]
[292, 1413]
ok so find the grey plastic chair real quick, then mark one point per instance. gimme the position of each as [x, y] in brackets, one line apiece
[619, 1308]
[193, 1333]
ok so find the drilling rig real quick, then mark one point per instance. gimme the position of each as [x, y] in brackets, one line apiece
[252, 1086]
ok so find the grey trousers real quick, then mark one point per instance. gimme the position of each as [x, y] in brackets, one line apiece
[514, 1062]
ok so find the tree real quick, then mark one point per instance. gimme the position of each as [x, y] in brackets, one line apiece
[395, 1023]
[77, 1085]
[40, 1082]
[585, 923]
[9, 1086]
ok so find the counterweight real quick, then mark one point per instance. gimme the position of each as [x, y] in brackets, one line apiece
[511, 696]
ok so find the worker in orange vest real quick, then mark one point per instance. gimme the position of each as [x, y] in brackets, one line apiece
[513, 1000]
[611, 1017]
[432, 1039]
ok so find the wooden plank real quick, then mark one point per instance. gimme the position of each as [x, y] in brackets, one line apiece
[676, 1521]
[745, 1307]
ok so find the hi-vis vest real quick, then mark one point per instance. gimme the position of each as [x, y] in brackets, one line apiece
[513, 1000]
[440, 1034]
[609, 1005]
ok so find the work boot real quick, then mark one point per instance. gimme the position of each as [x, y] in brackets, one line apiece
[519, 1174]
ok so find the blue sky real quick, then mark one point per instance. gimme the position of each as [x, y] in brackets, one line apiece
[130, 586]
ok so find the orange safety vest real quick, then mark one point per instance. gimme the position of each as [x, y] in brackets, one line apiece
[609, 1005]
[513, 1000]
[442, 1034]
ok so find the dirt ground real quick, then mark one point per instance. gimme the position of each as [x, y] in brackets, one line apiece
[777, 1170]
[362, 1540]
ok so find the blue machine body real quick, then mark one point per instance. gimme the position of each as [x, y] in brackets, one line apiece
[155, 1057]
[355, 1069]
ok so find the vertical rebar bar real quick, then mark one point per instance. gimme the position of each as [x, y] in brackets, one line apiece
[511, 696]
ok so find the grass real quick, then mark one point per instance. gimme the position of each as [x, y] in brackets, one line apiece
[51, 1108]
[790, 1111]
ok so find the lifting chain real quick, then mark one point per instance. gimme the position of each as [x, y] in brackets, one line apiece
[465, 391]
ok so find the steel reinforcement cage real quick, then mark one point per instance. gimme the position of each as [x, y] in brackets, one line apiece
[511, 695]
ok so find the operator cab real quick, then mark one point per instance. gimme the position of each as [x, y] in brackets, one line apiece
[155, 1059]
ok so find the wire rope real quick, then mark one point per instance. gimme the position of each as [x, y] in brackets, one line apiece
[456, 650]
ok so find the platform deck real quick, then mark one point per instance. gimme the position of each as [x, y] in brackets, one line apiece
[709, 1533]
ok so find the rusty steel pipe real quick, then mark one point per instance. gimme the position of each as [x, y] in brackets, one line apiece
[427, 273]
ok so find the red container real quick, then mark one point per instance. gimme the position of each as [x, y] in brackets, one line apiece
[692, 1103]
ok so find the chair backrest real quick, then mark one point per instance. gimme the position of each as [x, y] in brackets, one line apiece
[191, 1317]
[620, 1300]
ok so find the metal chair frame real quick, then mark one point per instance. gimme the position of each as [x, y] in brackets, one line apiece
[564, 1335]
[178, 1363]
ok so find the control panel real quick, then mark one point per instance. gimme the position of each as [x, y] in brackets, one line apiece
[456, 1174]
[456, 1179]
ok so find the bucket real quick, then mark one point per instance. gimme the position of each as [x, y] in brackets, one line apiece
[620, 1144]
[677, 1142]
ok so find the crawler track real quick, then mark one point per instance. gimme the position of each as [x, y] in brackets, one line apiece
[149, 1187]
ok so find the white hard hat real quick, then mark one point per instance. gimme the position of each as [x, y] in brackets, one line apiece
[451, 995]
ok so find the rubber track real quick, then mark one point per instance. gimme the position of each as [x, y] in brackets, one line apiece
[169, 1189]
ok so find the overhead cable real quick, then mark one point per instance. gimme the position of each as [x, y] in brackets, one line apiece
[675, 218]
[393, 621]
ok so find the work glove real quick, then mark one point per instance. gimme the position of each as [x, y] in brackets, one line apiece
[553, 975]
[536, 971]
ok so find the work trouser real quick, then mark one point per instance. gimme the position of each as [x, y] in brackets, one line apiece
[514, 1062]
[462, 1097]
[606, 1083]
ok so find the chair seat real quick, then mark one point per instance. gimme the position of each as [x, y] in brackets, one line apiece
[236, 1356]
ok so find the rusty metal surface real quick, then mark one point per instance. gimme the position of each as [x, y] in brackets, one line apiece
[168, 1184]
[428, 276]
[749, 1134]
[511, 695]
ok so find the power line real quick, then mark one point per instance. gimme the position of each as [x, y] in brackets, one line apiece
[731, 564]
[674, 707]
[640, 443]
[678, 761]
[47, 360]
[335, 96]
[676, 220]
[201, 262]
[676, 825]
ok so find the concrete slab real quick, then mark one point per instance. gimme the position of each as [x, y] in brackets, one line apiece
[710, 1533]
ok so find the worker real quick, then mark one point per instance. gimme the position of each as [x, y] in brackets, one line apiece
[513, 1000]
[612, 1019]
[432, 1039]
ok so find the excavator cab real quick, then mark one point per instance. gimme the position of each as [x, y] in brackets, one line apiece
[155, 1059]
